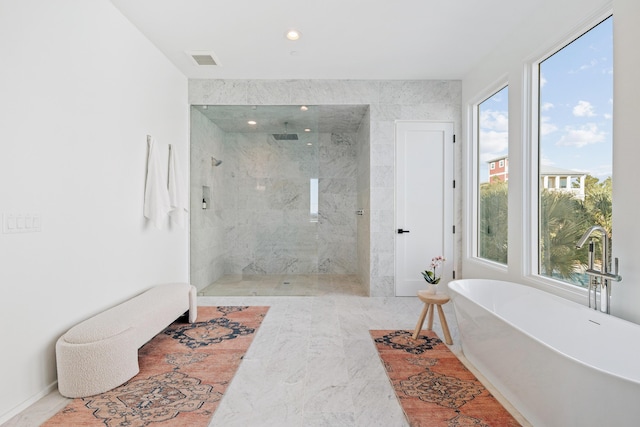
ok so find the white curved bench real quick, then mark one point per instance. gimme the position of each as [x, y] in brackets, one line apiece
[101, 353]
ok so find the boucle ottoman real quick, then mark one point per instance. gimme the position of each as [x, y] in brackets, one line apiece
[101, 352]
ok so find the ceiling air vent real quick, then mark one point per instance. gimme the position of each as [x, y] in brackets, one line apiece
[203, 58]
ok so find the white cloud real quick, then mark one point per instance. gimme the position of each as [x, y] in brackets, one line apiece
[493, 144]
[608, 116]
[583, 109]
[547, 106]
[491, 120]
[591, 64]
[494, 134]
[601, 171]
[545, 127]
[543, 81]
[595, 62]
[546, 161]
[586, 135]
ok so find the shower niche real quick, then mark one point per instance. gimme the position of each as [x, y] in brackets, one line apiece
[286, 194]
[206, 197]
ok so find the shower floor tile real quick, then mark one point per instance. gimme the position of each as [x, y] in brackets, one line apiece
[285, 285]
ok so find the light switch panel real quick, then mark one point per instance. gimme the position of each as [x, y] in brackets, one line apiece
[21, 223]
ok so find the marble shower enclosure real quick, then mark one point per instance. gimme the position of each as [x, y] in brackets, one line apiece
[388, 101]
[269, 227]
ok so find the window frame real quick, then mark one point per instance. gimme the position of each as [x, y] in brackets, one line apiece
[474, 155]
[533, 180]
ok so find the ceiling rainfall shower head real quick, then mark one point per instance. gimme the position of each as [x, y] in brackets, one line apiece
[285, 136]
[215, 162]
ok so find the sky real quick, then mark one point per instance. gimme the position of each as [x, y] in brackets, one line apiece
[576, 108]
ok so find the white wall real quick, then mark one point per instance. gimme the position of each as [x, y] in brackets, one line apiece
[80, 90]
[626, 152]
[540, 34]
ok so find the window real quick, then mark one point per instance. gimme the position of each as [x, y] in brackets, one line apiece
[313, 200]
[575, 182]
[575, 139]
[492, 146]
[563, 182]
[501, 163]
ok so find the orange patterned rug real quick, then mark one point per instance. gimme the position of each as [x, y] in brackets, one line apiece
[434, 388]
[184, 371]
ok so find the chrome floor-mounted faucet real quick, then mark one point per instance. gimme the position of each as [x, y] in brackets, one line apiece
[603, 274]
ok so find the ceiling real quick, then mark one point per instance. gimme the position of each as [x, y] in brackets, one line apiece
[341, 39]
[271, 119]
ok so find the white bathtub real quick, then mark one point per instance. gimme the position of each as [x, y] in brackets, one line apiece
[559, 363]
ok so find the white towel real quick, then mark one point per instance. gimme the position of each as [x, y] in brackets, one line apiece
[177, 192]
[156, 195]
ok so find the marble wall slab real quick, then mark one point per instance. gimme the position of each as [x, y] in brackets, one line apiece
[337, 233]
[363, 221]
[437, 100]
[207, 240]
[267, 220]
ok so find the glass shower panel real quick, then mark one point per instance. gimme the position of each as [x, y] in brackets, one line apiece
[313, 200]
[285, 196]
[268, 228]
[297, 250]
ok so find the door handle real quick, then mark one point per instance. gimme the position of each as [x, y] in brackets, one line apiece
[400, 231]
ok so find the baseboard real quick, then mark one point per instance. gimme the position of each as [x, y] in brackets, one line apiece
[24, 405]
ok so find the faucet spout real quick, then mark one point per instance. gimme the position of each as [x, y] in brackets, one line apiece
[600, 277]
[588, 234]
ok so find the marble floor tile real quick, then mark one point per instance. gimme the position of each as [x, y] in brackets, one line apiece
[312, 362]
[329, 419]
[376, 404]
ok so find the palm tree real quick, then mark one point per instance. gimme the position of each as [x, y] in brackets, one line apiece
[493, 215]
[563, 219]
[598, 202]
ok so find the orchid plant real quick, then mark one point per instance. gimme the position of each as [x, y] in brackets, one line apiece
[430, 275]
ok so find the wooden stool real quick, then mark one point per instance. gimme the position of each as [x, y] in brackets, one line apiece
[429, 301]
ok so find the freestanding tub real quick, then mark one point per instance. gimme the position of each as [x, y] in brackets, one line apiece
[558, 362]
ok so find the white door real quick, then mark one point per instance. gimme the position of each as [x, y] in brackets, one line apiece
[424, 202]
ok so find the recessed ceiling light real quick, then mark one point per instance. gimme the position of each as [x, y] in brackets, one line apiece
[308, 143]
[307, 130]
[293, 35]
[252, 122]
[304, 108]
